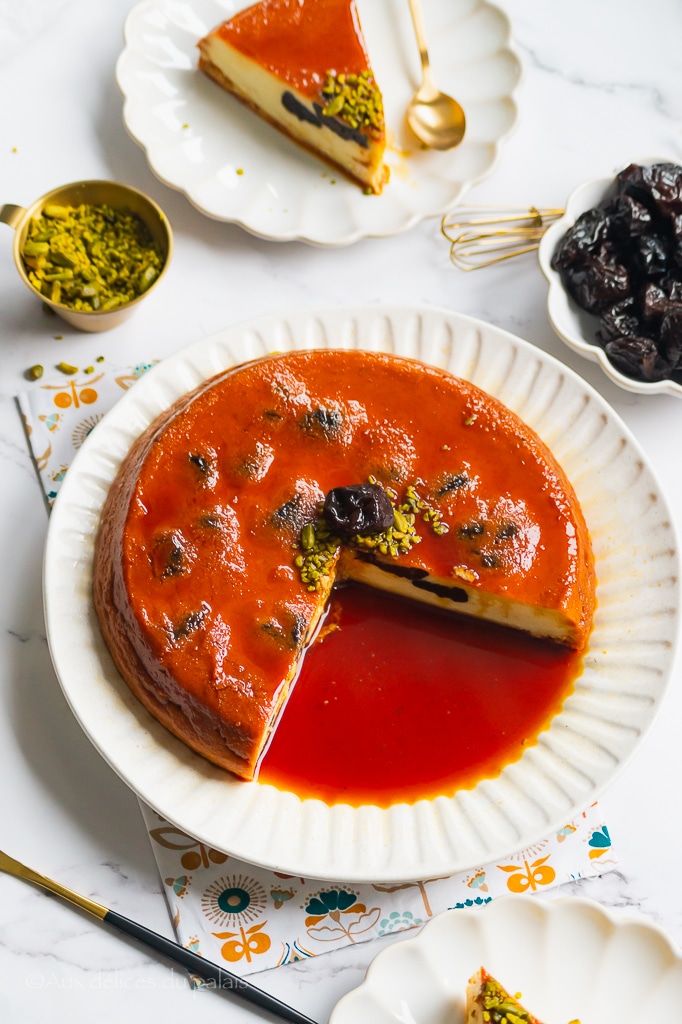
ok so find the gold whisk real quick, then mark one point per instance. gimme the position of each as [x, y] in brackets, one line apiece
[482, 235]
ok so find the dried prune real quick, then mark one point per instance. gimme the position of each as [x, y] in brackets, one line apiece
[623, 262]
[671, 336]
[658, 186]
[589, 231]
[358, 508]
[638, 357]
[325, 421]
[599, 281]
[650, 255]
[620, 320]
[627, 218]
[167, 557]
[672, 286]
[653, 302]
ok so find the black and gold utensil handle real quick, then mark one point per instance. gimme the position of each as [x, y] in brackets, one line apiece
[194, 963]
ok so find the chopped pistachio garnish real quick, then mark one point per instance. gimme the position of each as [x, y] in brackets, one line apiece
[90, 257]
[34, 372]
[499, 1008]
[355, 100]
[413, 503]
[319, 546]
[67, 368]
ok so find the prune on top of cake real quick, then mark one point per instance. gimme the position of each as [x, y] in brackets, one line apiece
[622, 261]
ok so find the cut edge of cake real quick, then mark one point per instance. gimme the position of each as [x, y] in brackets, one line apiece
[458, 595]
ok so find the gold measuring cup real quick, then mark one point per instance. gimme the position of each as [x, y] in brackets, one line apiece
[94, 193]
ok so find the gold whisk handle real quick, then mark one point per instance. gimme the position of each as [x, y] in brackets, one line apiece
[480, 236]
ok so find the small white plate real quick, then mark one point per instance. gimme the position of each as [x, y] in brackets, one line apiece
[574, 325]
[625, 671]
[570, 959]
[235, 167]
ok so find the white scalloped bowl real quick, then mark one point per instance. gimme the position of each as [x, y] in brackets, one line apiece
[570, 959]
[574, 325]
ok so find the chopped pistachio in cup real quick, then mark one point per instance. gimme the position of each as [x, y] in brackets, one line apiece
[91, 251]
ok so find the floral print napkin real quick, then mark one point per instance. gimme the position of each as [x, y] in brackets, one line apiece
[248, 917]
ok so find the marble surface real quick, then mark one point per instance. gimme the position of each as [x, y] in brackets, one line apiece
[600, 89]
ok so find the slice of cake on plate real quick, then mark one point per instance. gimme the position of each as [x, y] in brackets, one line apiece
[487, 1002]
[302, 65]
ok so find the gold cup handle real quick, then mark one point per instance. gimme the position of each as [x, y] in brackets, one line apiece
[10, 214]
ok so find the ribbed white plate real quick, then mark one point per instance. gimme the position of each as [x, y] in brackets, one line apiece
[625, 670]
[571, 960]
[235, 167]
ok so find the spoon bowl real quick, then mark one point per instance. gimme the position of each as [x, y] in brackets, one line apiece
[437, 120]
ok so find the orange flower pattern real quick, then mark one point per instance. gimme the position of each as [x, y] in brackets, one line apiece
[254, 919]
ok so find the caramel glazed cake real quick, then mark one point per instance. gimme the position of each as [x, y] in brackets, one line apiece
[302, 65]
[236, 511]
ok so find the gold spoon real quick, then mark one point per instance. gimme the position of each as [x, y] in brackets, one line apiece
[435, 118]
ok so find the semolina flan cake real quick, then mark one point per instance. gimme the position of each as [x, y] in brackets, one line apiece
[303, 66]
[238, 509]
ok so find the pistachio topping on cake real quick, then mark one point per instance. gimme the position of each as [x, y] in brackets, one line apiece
[355, 99]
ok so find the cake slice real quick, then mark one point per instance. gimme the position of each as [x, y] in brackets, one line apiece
[302, 65]
[487, 1002]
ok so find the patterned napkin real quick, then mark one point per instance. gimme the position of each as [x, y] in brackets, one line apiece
[255, 919]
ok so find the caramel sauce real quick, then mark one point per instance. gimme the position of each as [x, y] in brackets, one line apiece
[312, 38]
[396, 702]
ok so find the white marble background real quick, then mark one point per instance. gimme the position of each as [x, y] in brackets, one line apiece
[601, 88]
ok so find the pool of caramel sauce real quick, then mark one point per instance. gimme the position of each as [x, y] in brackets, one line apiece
[398, 702]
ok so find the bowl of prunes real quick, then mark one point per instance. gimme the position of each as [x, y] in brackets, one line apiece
[614, 267]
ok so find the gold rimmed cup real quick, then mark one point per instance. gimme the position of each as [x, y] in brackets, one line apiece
[119, 197]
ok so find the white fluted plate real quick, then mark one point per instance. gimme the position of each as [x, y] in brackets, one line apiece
[571, 960]
[235, 167]
[626, 667]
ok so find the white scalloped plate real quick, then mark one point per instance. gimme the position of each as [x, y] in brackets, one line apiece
[626, 667]
[234, 167]
[574, 325]
[571, 960]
